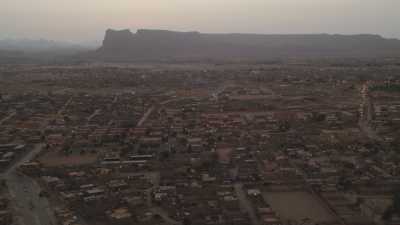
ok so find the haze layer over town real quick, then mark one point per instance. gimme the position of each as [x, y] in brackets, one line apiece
[258, 112]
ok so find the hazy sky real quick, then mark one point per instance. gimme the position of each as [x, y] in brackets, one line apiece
[86, 20]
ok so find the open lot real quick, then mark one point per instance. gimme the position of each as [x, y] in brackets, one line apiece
[298, 206]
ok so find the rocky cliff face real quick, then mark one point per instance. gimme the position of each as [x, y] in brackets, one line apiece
[117, 40]
[169, 45]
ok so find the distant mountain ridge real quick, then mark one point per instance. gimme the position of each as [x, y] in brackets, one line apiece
[145, 44]
[38, 51]
[33, 45]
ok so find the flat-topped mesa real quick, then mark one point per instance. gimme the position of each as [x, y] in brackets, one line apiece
[165, 33]
[114, 38]
[117, 39]
[171, 45]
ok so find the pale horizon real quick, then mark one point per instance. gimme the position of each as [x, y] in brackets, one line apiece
[78, 21]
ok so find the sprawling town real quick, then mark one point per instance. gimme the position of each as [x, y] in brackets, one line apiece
[292, 144]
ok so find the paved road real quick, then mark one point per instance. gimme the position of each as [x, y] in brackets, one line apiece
[366, 110]
[245, 204]
[26, 158]
[145, 116]
[95, 113]
[152, 108]
[24, 191]
[30, 209]
[65, 106]
[164, 215]
[11, 115]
